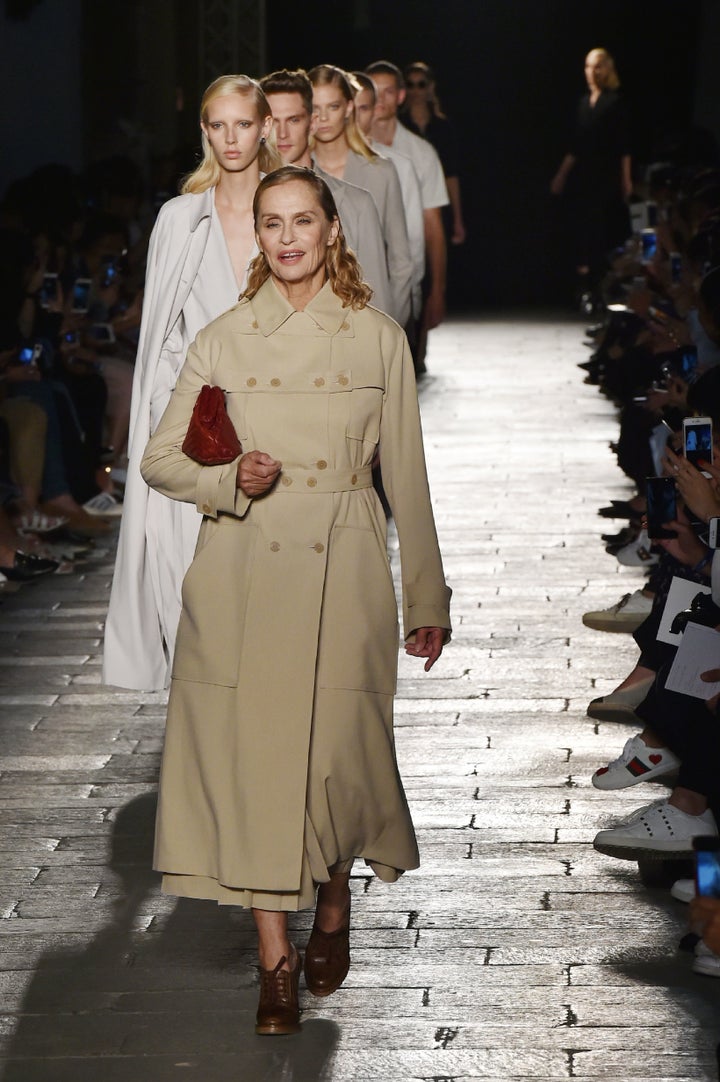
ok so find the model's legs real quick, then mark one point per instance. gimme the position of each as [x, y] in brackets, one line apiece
[327, 957]
[333, 902]
[273, 940]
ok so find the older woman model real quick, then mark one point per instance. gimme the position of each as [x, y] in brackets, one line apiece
[279, 765]
[200, 250]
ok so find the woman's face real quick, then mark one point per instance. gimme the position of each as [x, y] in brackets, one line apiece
[332, 111]
[294, 234]
[596, 71]
[234, 130]
[364, 109]
[419, 87]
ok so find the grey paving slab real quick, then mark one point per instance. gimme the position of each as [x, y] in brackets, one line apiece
[515, 952]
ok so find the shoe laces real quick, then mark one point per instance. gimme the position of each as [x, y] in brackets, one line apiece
[622, 602]
[275, 984]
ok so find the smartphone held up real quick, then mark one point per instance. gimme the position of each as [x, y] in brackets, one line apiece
[698, 440]
[661, 507]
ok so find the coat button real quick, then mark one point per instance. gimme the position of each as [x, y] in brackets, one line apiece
[285, 480]
[319, 382]
[319, 547]
[206, 508]
[345, 326]
[311, 482]
[274, 546]
[251, 382]
[353, 479]
[321, 464]
[275, 382]
[254, 324]
[343, 381]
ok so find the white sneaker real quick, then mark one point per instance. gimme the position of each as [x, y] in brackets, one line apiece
[625, 615]
[103, 504]
[620, 705]
[638, 553]
[636, 762]
[706, 961]
[683, 890]
[656, 832]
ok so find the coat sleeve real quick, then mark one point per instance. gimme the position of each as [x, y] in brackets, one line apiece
[167, 468]
[371, 253]
[399, 260]
[426, 597]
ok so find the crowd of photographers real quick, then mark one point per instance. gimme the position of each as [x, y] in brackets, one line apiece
[71, 266]
[656, 355]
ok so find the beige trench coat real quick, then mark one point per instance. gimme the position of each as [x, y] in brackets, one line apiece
[279, 758]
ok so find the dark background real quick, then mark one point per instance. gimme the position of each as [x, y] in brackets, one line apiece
[509, 74]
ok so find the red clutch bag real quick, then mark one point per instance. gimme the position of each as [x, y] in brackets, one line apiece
[211, 439]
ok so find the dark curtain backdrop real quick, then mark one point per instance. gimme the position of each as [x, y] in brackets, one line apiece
[509, 74]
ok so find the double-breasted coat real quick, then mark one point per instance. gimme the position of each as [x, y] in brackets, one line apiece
[279, 758]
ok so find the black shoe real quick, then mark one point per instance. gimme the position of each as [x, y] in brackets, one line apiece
[26, 567]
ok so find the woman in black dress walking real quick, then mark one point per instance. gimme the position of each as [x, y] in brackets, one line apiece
[596, 172]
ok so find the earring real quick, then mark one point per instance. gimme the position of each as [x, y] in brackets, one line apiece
[262, 141]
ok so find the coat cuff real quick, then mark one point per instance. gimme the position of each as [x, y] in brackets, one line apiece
[216, 491]
[429, 614]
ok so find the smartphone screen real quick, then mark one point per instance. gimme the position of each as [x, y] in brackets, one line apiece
[661, 506]
[81, 294]
[48, 290]
[649, 244]
[707, 867]
[697, 439]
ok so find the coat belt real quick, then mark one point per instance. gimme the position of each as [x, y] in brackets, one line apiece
[324, 480]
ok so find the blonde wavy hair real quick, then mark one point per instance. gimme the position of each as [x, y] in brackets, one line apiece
[329, 75]
[612, 79]
[207, 174]
[341, 267]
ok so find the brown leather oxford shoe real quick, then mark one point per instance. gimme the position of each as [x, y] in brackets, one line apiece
[327, 959]
[278, 1011]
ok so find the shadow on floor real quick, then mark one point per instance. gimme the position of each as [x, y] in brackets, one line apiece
[150, 1007]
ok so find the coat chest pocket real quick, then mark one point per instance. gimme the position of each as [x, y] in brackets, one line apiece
[364, 413]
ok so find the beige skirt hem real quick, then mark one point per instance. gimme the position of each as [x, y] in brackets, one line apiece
[204, 886]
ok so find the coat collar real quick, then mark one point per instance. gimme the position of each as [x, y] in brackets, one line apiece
[202, 207]
[271, 309]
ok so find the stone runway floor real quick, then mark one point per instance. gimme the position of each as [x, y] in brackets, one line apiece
[515, 952]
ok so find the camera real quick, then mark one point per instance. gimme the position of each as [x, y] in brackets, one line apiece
[702, 610]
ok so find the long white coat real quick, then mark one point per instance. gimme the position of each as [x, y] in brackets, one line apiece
[145, 600]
